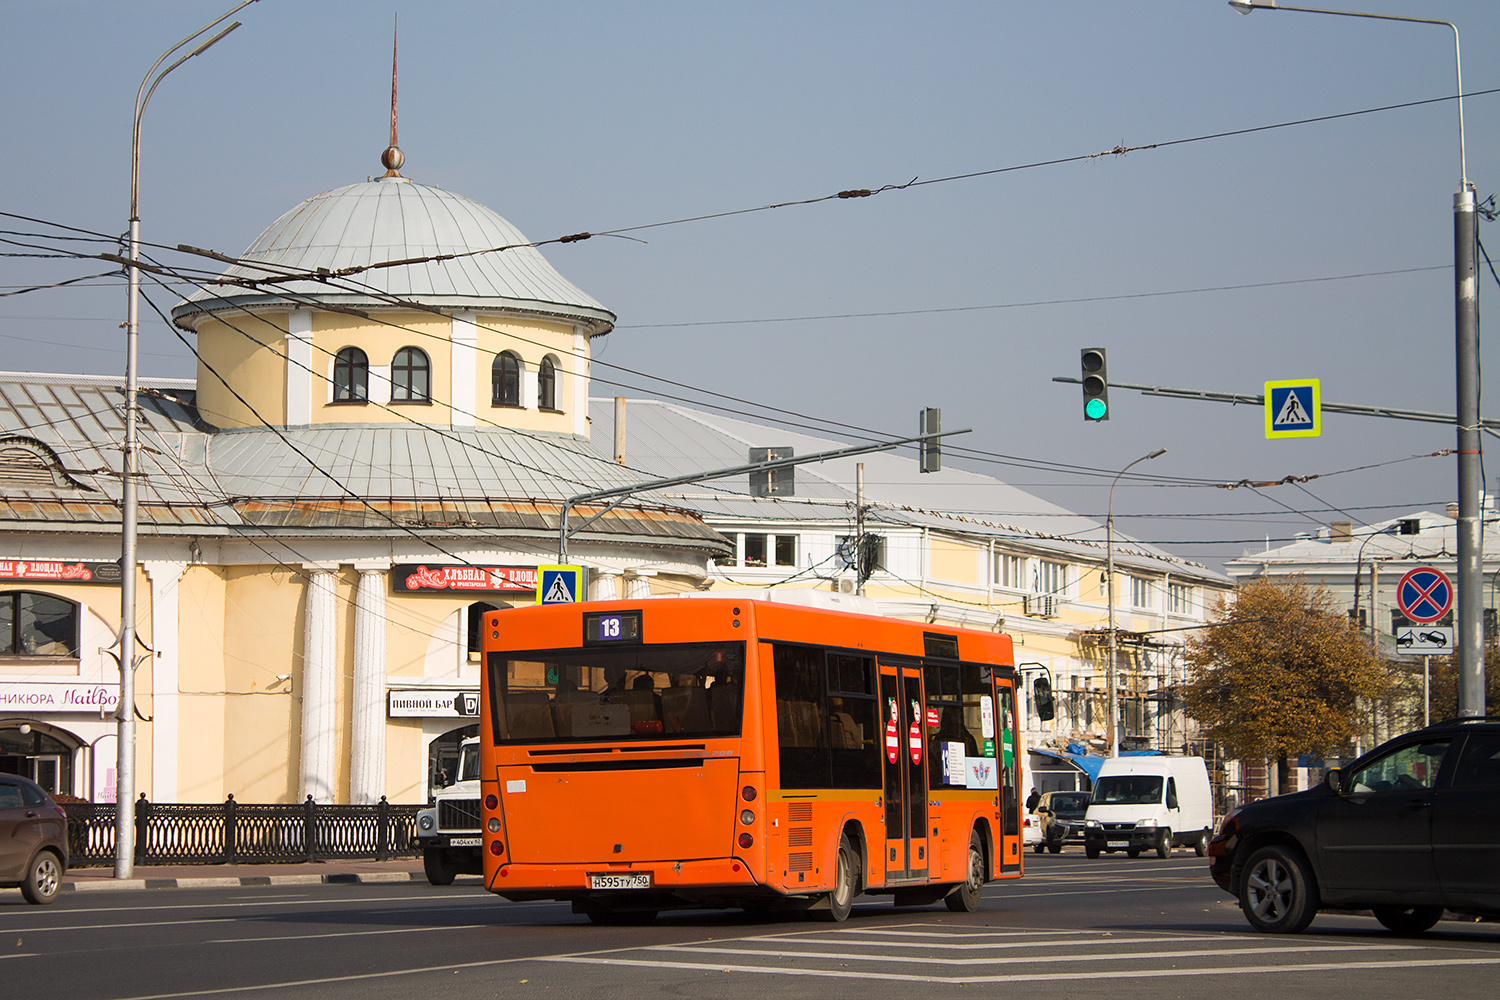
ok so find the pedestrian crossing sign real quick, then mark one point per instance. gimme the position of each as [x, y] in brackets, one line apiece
[559, 584]
[1294, 408]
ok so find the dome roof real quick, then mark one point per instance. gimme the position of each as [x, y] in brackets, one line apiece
[391, 218]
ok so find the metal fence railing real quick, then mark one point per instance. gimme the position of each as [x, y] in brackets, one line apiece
[231, 832]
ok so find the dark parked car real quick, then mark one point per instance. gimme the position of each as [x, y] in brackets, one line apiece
[1409, 830]
[33, 840]
[1062, 819]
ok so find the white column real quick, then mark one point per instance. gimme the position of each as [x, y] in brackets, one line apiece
[164, 705]
[604, 584]
[580, 382]
[318, 765]
[299, 362]
[367, 735]
[638, 584]
[464, 369]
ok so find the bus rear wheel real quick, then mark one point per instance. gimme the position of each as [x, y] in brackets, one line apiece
[965, 898]
[845, 883]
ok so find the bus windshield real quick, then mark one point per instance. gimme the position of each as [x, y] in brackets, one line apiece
[617, 693]
[1128, 790]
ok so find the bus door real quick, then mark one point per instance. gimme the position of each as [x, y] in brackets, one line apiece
[904, 745]
[1009, 761]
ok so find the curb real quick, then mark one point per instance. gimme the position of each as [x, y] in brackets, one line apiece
[233, 882]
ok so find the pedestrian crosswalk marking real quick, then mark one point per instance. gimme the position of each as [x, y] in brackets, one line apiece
[866, 952]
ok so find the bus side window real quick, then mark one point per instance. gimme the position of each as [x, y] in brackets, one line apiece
[800, 709]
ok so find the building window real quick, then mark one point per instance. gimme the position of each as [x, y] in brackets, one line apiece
[1051, 577]
[1140, 592]
[546, 384]
[786, 550]
[37, 625]
[506, 380]
[732, 559]
[351, 376]
[1179, 599]
[411, 376]
[1010, 571]
[755, 549]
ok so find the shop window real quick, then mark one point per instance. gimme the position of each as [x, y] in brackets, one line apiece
[351, 376]
[411, 376]
[505, 380]
[546, 384]
[37, 755]
[37, 625]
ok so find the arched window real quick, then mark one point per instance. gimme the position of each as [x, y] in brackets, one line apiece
[506, 376]
[34, 624]
[546, 384]
[351, 376]
[411, 376]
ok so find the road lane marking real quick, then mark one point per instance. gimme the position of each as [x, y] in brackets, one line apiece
[1073, 943]
[344, 934]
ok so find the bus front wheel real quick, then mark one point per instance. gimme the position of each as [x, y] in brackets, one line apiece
[965, 898]
[845, 883]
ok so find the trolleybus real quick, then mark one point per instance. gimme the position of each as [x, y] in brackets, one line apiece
[675, 753]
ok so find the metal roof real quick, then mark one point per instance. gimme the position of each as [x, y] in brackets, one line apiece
[391, 218]
[367, 478]
[668, 439]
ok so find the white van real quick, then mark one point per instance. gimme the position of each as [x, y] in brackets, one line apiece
[1149, 803]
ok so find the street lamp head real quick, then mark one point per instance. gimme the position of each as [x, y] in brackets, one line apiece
[1246, 6]
[1158, 453]
[210, 43]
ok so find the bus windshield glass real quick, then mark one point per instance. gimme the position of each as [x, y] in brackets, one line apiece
[642, 692]
[1128, 790]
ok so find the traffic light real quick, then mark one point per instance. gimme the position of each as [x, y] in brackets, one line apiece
[1095, 379]
[930, 421]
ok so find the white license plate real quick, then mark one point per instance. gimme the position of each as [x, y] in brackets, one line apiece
[463, 841]
[634, 880]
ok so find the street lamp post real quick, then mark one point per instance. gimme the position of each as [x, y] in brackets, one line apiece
[130, 472]
[1471, 701]
[1109, 573]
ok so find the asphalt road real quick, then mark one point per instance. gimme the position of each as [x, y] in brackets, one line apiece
[1145, 928]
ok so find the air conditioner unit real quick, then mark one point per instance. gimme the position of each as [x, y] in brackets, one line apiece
[845, 586]
[1041, 605]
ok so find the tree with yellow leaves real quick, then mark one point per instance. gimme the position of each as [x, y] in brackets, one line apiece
[1281, 672]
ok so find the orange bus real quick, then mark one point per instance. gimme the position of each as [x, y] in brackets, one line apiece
[676, 753]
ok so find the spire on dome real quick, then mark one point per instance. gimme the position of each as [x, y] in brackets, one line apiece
[393, 158]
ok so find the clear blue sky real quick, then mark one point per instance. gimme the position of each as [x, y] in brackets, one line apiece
[589, 116]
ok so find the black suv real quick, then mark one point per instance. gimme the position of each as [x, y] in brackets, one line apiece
[1408, 830]
[33, 839]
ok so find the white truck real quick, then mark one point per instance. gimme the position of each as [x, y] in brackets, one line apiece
[448, 831]
[1149, 803]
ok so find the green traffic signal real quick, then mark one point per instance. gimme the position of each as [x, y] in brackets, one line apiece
[1095, 409]
[1095, 378]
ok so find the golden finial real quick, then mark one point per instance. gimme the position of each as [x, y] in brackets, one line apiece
[393, 158]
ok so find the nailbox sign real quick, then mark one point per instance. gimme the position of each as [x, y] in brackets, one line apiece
[414, 579]
[54, 571]
[42, 697]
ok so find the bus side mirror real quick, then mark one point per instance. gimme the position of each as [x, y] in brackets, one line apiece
[1334, 779]
[1041, 690]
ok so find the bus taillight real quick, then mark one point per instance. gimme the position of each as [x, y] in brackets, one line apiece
[491, 802]
[497, 848]
[746, 840]
[748, 793]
